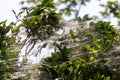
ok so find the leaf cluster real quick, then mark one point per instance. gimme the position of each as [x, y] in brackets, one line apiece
[112, 7]
[90, 61]
[41, 21]
[5, 52]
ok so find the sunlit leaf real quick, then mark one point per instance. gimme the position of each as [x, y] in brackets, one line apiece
[11, 40]
[92, 58]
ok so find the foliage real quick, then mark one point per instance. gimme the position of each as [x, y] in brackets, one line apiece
[108, 34]
[67, 63]
[41, 20]
[6, 55]
[88, 64]
[70, 6]
[112, 7]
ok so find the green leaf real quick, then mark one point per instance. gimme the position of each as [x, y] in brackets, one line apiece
[70, 69]
[72, 34]
[107, 78]
[92, 58]
[44, 45]
[37, 11]
[20, 13]
[10, 40]
[86, 48]
[96, 43]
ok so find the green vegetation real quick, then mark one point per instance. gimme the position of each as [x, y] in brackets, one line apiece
[90, 61]
[7, 57]
[86, 52]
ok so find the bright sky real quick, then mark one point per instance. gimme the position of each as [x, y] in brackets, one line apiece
[6, 6]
